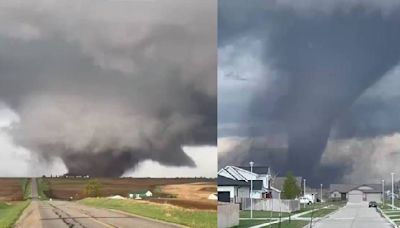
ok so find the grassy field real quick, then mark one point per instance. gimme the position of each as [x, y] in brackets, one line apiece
[10, 212]
[26, 187]
[168, 213]
[43, 188]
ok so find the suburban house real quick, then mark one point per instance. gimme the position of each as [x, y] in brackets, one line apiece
[356, 193]
[230, 190]
[235, 183]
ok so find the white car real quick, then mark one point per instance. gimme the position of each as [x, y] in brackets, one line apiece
[304, 200]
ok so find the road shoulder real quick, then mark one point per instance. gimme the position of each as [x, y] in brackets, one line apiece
[30, 217]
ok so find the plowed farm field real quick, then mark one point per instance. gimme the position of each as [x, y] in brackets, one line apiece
[64, 188]
[190, 195]
[183, 192]
[11, 189]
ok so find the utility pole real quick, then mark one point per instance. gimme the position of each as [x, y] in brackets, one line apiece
[251, 190]
[304, 191]
[383, 192]
[321, 194]
[392, 190]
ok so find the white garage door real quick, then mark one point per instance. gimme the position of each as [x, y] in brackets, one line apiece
[355, 196]
[374, 197]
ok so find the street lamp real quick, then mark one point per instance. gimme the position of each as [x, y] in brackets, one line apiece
[304, 191]
[321, 193]
[383, 192]
[392, 190]
[251, 190]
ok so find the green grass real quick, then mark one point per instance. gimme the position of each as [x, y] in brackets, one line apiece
[292, 224]
[319, 213]
[285, 224]
[9, 213]
[384, 206]
[27, 188]
[43, 188]
[262, 214]
[248, 223]
[396, 202]
[191, 218]
[267, 214]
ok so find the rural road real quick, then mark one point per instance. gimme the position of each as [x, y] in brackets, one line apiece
[34, 191]
[68, 214]
[354, 216]
[64, 214]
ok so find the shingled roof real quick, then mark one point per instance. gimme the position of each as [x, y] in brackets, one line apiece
[224, 181]
[344, 188]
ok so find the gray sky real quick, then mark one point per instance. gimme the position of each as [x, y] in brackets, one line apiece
[310, 86]
[119, 82]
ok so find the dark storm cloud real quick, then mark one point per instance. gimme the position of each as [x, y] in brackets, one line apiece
[108, 84]
[328, 54]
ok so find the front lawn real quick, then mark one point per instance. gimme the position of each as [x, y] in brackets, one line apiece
[263, 214]
[319, 213]
[285, 224]
[249, 223]
[292, 224]
[267, 214]
[10, 212]
[168, 213]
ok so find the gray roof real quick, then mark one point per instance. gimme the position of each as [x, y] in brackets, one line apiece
[224, 181]
[277, 182]
[344, 188]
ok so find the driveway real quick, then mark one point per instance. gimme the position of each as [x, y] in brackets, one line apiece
[354, 216]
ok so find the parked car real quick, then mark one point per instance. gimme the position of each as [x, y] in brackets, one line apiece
[305, 200]
[372, 204]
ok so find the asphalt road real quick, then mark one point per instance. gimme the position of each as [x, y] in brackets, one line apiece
[354, 216]
[64, 214]
[69, 214]
[34, 191]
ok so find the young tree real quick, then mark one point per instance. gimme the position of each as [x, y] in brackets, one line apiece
[290, 188]
[93, 188]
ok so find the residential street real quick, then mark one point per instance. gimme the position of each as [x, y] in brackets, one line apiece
[354, 216]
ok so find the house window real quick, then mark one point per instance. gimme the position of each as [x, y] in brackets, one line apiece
[267, 195]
